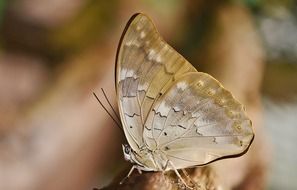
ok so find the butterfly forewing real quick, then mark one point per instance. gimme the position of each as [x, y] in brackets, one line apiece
[146, 67]
[197, 121]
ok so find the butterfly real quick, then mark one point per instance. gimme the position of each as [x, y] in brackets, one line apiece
[173, 116]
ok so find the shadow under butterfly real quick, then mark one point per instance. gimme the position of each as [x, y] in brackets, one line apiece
[173, 116]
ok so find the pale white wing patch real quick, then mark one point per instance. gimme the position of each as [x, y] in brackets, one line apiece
[146, 67]
[197, 121]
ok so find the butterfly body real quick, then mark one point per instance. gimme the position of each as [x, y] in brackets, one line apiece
[146, 159]
[173, 116]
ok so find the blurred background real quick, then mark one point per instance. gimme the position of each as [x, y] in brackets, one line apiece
[54, 54]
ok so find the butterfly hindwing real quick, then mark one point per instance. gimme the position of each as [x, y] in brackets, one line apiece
[146, 67]
[197, 121]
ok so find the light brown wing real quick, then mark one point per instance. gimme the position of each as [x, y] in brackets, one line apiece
[146, 67]
[197, 121]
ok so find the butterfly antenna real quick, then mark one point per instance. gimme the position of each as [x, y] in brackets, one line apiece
[107, 111]
[118, 117]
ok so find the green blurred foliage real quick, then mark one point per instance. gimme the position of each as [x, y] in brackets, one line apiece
[2, 8]
[279, 81]
[164, 6]
[91, 24]
[268, 5]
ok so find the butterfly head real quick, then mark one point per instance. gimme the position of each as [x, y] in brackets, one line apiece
[133, 157]
[128, 154]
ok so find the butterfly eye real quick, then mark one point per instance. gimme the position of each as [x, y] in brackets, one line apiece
[127, 149]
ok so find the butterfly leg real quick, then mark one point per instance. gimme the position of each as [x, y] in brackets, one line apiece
[179, 176]
[166, 165]
[163, 170]
[188, 176]
[130, 172]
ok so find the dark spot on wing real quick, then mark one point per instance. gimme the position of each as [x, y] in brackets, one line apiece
[181, 126]
[158, 129]
[147, 128]
[152, 98]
